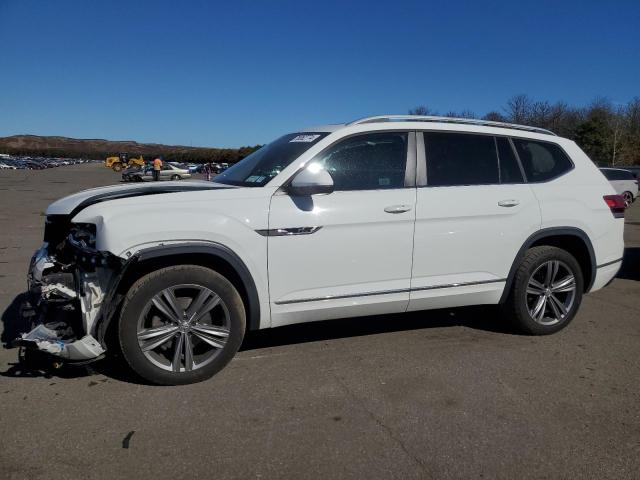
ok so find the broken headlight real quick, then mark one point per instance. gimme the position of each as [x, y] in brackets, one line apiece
[83, 235]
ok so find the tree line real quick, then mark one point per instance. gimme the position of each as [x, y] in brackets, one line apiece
[608, 132]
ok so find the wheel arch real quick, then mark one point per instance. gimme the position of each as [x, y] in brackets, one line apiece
[216, 256]
[572, 239]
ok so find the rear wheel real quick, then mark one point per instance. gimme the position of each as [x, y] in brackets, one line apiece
[181, 325]
[628, 198]
[546, 291]
[117, 167]
[175, 177]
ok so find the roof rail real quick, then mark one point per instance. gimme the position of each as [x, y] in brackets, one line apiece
[461, 121]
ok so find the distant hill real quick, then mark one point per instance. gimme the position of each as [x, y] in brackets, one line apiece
[35, 145]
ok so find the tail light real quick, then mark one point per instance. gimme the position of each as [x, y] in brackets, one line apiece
[615, 204]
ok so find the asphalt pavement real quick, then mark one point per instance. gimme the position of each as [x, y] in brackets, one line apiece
[443, 394]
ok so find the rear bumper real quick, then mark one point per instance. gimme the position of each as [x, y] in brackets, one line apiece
[605, 274]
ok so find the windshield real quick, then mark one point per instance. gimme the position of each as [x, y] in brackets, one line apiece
[267, 162]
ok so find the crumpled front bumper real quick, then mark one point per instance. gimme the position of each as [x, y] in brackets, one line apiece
[64, 303]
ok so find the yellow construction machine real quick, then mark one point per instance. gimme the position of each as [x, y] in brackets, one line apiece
[123, 161]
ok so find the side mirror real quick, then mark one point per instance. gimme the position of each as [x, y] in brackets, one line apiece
[312, 180]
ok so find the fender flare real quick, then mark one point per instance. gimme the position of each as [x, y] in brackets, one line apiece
[201, 248]
[544, 233]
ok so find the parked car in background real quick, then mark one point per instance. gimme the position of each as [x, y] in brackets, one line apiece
[127, 174]
[169, 172]
[624, 182]
[219, 167]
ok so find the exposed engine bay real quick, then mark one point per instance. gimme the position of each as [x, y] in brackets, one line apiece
[68, 283]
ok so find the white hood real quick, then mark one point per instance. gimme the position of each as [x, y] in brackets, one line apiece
[77, 201]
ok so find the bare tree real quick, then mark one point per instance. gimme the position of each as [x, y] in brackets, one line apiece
[518, 109]
[422, 110]
[494, 116]
[609, 133]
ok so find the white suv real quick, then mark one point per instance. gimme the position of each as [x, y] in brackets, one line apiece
[382, 215]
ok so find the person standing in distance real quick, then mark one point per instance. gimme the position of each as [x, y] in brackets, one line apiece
[157, 166]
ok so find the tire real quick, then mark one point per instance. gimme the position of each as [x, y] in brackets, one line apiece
[117, 167]
[147, 318]
[176, 177]
[628, 198]
[525, 306]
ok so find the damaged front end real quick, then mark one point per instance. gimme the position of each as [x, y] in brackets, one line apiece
[69, 283]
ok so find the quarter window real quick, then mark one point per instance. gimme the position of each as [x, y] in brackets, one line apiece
[367, 162]
[541, 161]
[460, 159]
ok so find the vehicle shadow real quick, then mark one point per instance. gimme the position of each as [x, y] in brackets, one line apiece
[484, 318]
[30, 364]
[13, 322]
[36, 364]
[630, 269]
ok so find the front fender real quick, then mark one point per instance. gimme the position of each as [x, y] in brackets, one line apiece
[254, 307]
[133, 227]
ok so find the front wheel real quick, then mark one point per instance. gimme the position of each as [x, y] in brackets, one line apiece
[181, 325]
[175, 177]
[546, 291]
[117, 167]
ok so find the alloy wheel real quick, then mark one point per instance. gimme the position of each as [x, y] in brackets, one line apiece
[628, 198]
[183, 328]
[551, 292]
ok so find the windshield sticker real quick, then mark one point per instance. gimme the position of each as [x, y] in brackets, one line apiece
[255, 179]
[304, 138]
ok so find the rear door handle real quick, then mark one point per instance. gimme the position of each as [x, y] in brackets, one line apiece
[397, 208]
[508, 203]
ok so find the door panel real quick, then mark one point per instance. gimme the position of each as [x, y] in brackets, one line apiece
[347, 253]
[467, 236]
[359, 252]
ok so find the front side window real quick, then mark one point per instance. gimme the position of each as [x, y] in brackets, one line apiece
[541, 161]
[265, 163]
[367, 162]
[460, 159]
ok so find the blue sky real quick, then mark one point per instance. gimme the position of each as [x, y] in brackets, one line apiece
[239, 73]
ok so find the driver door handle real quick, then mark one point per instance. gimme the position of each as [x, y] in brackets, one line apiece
[397, 208]
[508, 203]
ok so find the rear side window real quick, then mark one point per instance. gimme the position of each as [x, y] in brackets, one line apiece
[460, 159]
[608, 174]
[541, 161]
[367, 162]
[509, 169]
